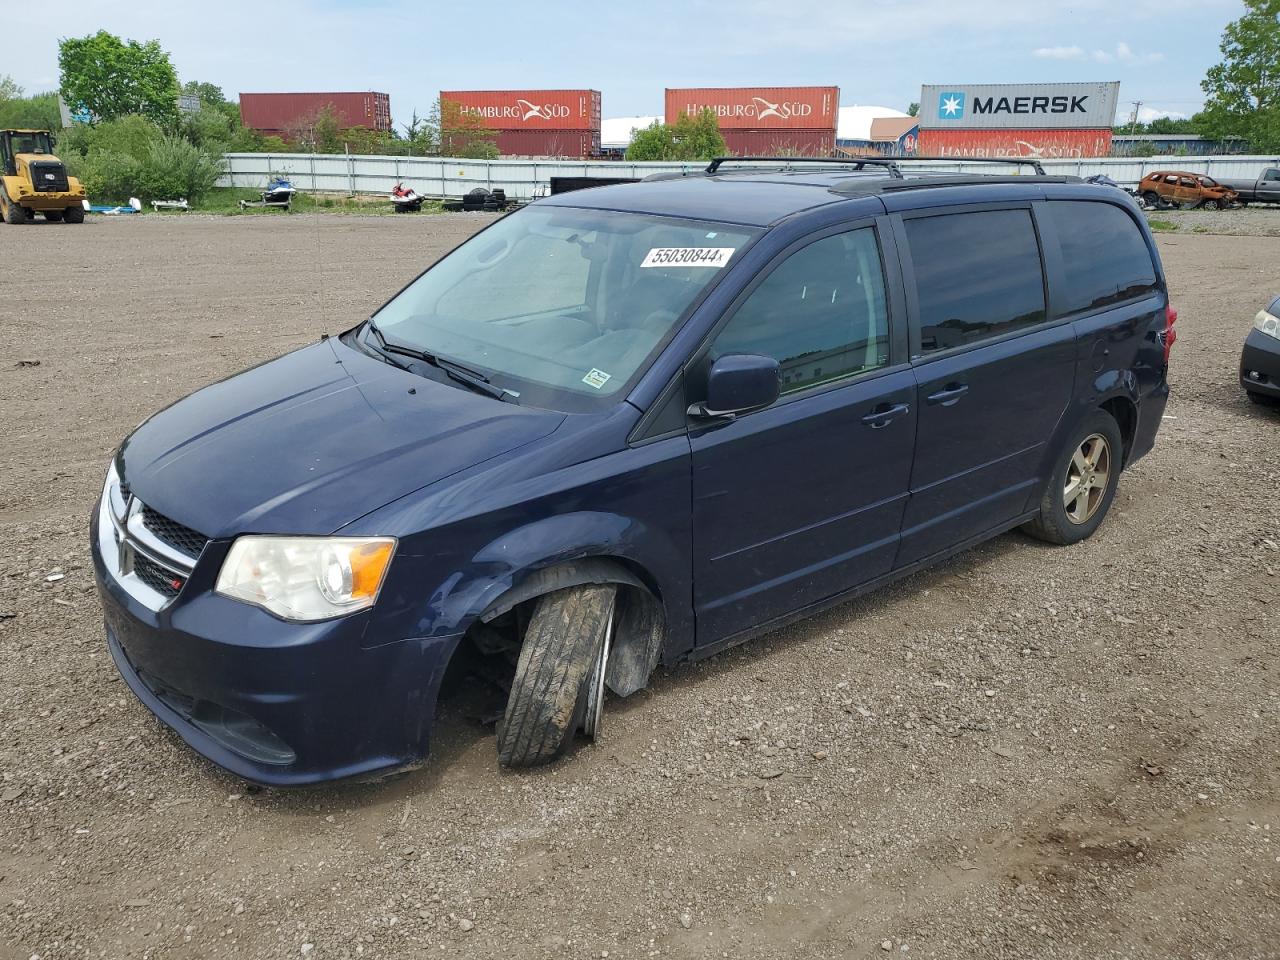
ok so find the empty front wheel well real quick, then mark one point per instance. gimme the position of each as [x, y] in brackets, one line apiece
[1125, 415]
[639, 618]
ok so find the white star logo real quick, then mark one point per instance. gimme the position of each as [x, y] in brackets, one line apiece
[951, 106]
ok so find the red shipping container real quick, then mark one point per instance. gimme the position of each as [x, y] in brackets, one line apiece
[275, 113]
[574, 144]
[760, 108]
[531, 109]
[780, 143]
[1032, 144]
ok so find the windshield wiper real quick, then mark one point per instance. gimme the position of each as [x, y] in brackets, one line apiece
[472, 379]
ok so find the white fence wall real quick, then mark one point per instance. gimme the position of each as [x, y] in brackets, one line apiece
[527, 179]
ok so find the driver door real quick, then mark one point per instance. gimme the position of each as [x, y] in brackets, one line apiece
[804, 500]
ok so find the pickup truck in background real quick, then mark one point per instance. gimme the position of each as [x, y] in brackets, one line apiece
[1266, 189]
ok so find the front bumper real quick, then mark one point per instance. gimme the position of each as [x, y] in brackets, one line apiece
[277, 703]
[1260, 364]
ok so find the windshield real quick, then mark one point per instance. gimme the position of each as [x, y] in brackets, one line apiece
[559, 302]
[31, 143]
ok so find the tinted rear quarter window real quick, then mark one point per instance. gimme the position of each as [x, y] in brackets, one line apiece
[978, 276]
[1105, 259]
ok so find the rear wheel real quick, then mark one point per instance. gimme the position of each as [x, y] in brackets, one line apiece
[1151, 198]
[74, 214]
[559, 681]
[1082, 484]
[53, 216]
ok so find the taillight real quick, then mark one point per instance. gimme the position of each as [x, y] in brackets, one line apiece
[1170, 335]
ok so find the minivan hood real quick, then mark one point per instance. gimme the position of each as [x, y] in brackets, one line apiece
[312, 441]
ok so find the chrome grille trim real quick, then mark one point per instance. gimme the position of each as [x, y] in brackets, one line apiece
[122, 535]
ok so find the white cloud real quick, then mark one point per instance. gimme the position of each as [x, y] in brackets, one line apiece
[1059, 53]
[1147, 114]
[1123, 53]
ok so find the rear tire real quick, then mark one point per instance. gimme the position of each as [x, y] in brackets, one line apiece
[1082, 483]
[559, 658]
[74, 214]
[1151, 199]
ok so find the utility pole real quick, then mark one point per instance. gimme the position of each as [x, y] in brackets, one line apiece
[1133, 120]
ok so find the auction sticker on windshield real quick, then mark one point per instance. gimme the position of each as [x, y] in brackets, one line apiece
[688, 257]
[596, 378]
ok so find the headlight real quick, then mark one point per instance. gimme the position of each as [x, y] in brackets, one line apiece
[306, 578]
[1267, 324]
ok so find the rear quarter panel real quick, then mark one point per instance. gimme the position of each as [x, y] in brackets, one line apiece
[1120, 353]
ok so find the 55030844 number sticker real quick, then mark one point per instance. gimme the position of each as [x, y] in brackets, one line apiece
[688, 257]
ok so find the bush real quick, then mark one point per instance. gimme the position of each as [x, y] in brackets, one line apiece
[689, 138]
[132, 157]
[175, 168]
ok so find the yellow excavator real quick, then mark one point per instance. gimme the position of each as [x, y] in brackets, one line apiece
[35, 181]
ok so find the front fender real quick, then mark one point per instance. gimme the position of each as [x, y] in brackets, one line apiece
[504, 564]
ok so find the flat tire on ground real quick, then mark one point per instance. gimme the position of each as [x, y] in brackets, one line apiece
[1082, 483]
[559, 658]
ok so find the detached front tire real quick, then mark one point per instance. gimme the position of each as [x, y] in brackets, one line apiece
[1082, 484]
[558, 686]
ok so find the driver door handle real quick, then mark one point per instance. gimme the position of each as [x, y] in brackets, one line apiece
[948, 395]
[884, 414]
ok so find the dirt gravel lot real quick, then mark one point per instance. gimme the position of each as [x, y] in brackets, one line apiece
[1028, 752]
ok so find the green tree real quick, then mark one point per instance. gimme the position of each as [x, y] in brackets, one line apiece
[112, 78]
[913, 109]
[462, 133]
[689, 138]
[1243, 91]
[32, 113]
[9, 89]
[210, 94]
[1160, 125]
[319, 131]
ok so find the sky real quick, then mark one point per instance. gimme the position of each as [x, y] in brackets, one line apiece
[876, 51]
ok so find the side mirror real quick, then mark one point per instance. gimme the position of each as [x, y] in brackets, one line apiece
[739, 383]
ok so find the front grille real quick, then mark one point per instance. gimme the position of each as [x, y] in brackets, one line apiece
[124, 492]
[181, 538]
[48, 176]
[162, 581]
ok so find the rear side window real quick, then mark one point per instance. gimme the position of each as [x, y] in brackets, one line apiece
[978, 276]
[1104, 256]
[821, 313]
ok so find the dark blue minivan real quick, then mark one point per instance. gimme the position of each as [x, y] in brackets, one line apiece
[625, 426]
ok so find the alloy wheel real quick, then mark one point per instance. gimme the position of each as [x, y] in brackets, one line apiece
[1087, 477]
[594, 714]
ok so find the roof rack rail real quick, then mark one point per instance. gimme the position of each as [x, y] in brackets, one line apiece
[1018, 161]
[858, 163]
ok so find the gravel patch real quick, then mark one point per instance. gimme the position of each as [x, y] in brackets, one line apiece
[1253, 221]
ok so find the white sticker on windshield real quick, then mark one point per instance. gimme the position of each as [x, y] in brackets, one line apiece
[688, 257]
[596, 378]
